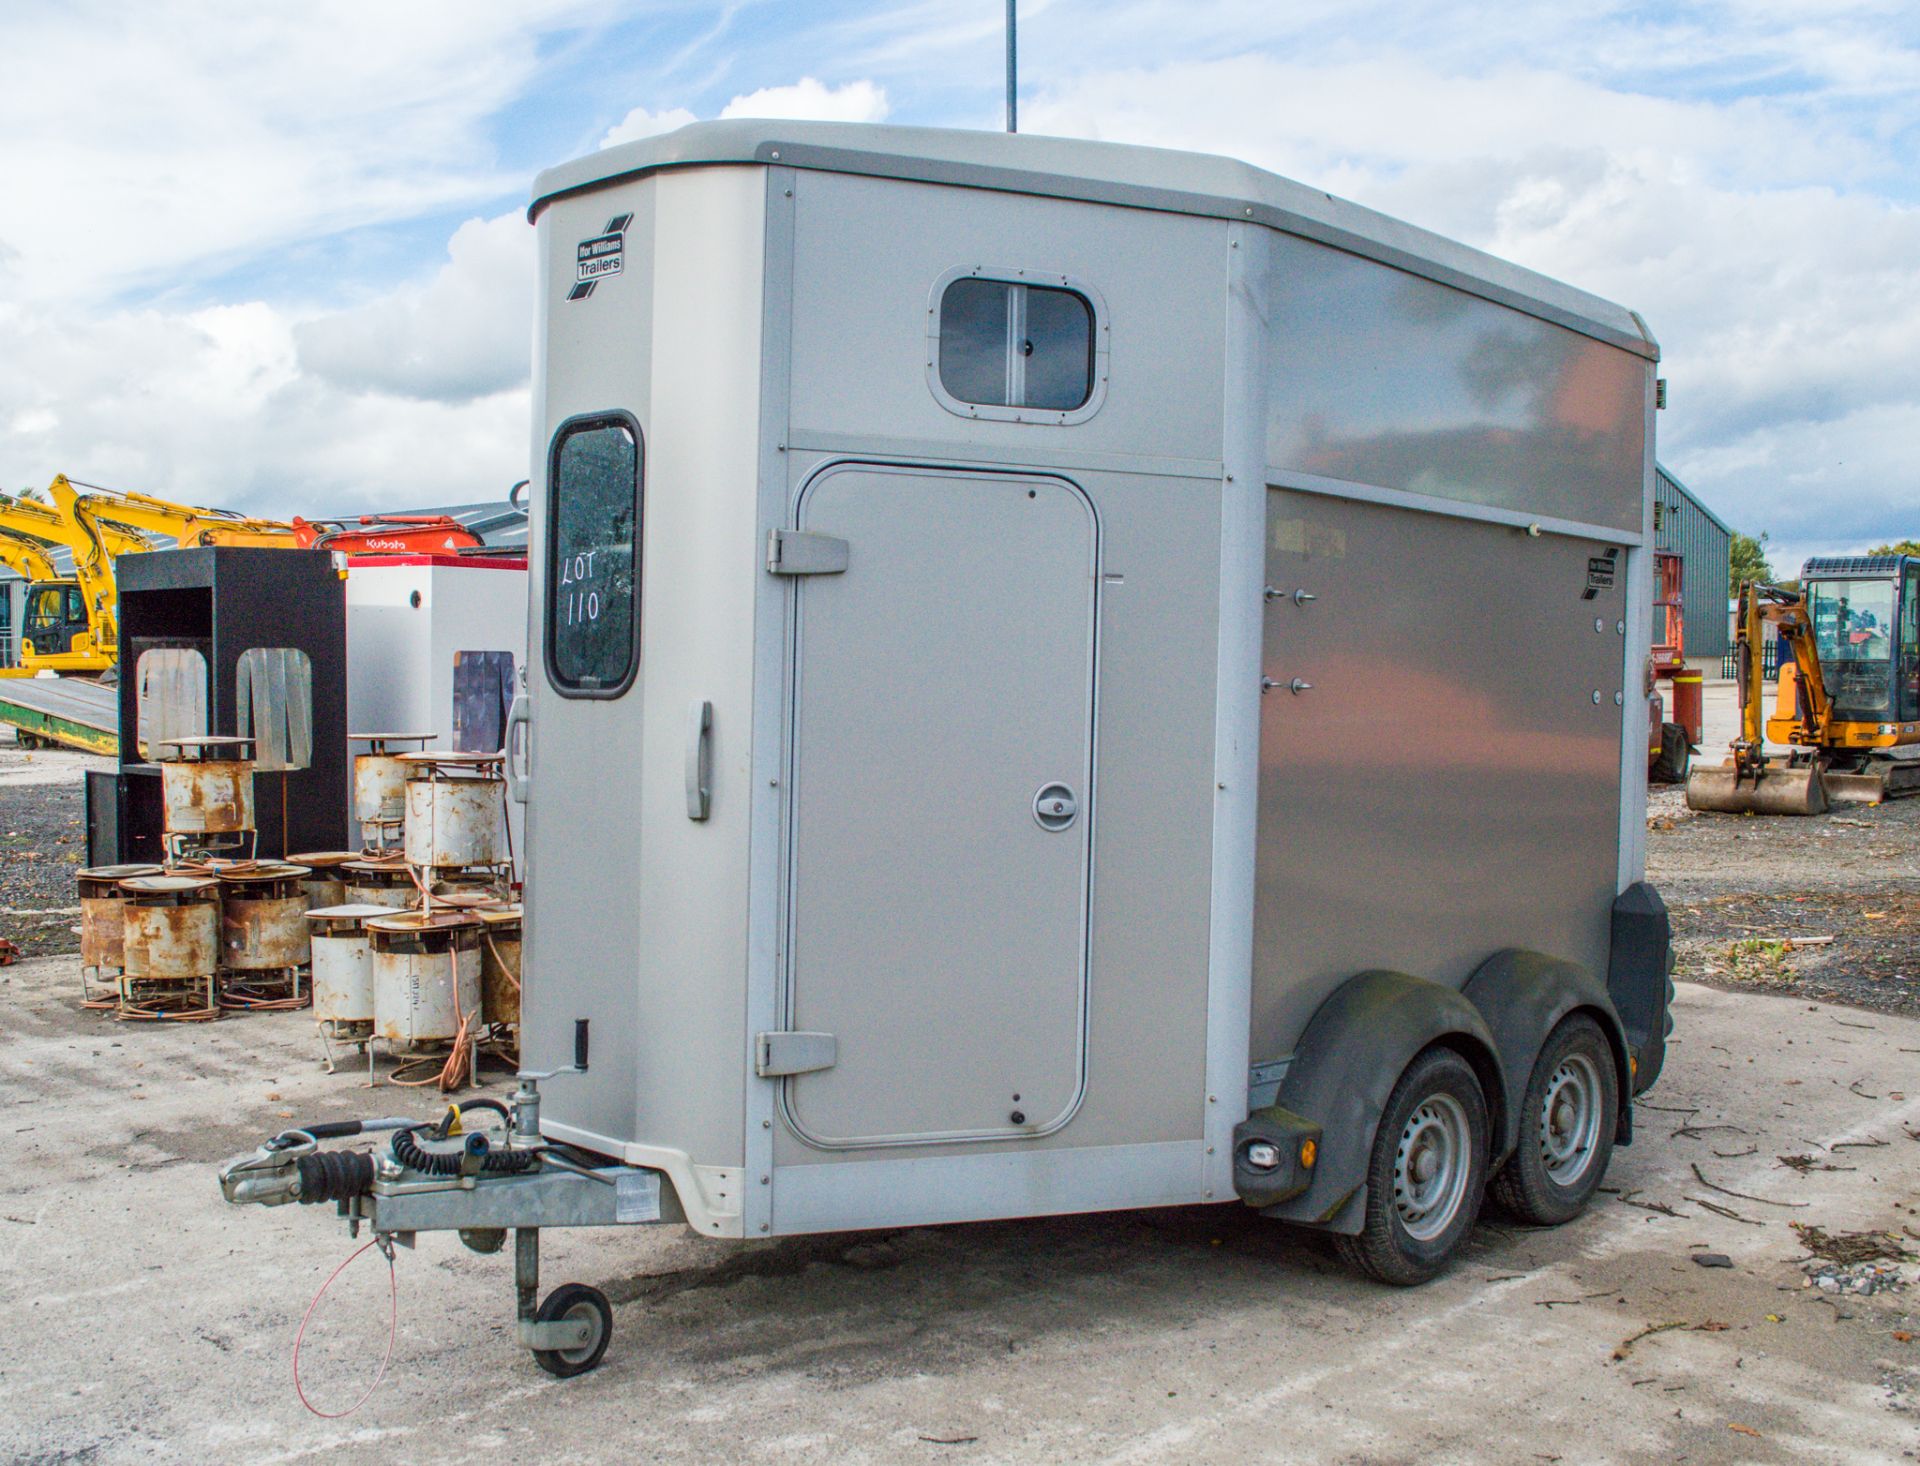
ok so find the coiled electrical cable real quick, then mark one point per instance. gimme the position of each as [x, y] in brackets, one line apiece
[504, 1161]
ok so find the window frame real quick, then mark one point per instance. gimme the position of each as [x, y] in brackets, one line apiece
[1036, 279]
[580, 423]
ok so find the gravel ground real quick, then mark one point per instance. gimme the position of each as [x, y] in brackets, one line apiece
[1827, 907]
[43, 841]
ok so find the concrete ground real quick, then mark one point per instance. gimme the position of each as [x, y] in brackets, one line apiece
[145, 1319]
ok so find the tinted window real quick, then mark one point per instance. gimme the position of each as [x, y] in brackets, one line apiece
[1058, 346]
[593, 557]
[973, 341]
[1004, 344]
[1853, 629]
[1910, 646]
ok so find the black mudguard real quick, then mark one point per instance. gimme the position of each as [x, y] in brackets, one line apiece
[1640, 979]
[1522, 996]
[1345, 1066]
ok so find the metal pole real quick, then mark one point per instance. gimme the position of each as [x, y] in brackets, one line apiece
[1013, 87]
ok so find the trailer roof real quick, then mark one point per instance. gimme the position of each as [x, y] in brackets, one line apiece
[1110, 173]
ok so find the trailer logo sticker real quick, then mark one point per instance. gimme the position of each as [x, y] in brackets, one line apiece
[1600, 573]
[602, 255]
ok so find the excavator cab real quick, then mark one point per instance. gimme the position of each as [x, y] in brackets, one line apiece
[1865, 613]
[56, 618]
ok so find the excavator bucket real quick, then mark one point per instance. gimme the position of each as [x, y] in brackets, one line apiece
[1875, 782]
[1779, 789]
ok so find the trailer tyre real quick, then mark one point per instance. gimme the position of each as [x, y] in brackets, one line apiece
[576, 1301]
[1427, 1174]
[1567, 1121]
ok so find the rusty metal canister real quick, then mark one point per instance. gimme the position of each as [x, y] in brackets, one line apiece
[456, 810]
[102, 913]
[206, 796]
[379, 788]
[500, 964]
[379, 883]
[263, 917]
[325, 884]
[342, 962]
[426, 974]
[172, 927]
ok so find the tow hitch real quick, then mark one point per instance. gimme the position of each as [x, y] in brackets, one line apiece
[449, 1176]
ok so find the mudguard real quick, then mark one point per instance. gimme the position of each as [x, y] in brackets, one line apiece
[1522, 995]
[1354, 1050]
[1640, 979]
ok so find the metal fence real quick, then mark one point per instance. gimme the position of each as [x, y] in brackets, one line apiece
[1769, 662]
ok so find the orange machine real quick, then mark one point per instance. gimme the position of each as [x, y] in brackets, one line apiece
[1849, 691]
[1670, 744]
[388, 534]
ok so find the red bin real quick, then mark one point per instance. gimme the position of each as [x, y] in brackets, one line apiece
[1686, 703]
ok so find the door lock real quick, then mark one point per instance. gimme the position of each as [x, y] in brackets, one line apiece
[1055, 807]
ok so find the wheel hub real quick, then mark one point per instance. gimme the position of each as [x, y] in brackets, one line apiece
[1570, 1120]
[1430, 1167]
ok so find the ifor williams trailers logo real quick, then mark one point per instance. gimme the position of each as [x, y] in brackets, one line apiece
[596, 258]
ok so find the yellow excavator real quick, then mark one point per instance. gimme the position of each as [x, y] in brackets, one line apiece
[51, 599]
[71, 621]
[1848, 697]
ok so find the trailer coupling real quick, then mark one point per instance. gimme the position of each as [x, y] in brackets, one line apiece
[450, 1176]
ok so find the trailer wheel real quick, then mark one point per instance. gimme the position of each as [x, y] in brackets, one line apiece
[576, 1301]
[1427, 1174]
[1566, 1127]
[1676, 755]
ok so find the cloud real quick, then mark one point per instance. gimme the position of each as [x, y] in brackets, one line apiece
[213, 406]
[1750, 231]
[806, 100]
[158, 143]
[641, 123]
[465, 333]
[811, 101]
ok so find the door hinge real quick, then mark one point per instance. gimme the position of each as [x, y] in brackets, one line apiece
[775, 1054]
[796, 552]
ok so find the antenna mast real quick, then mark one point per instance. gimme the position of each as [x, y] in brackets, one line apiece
[1013, 86]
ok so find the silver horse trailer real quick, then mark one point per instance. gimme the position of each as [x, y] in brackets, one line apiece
[1069, 677]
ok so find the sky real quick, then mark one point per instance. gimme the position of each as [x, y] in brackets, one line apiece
[274, 257]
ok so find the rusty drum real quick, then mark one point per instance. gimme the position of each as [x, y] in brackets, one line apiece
[379, 883]
[500, 964]
[172, 927]
[380, 782]
[212, 796]
[456, 809]
[379, 789]
[342, 964]
[426, 975]
[263, 918]
[102, 915]
[326, 884]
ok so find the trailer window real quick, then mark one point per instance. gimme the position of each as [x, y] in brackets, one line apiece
[1007, 344]
[593, 556]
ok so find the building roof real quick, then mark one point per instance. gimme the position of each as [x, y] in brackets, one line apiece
[1111, 173]
[1686, 493]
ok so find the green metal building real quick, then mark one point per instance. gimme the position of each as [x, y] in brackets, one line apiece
[1703, 541]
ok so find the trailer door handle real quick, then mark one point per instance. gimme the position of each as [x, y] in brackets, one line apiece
[519, 750]
[699, 759]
